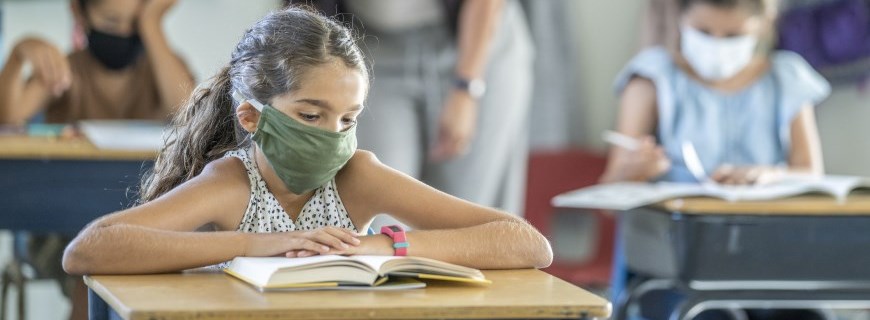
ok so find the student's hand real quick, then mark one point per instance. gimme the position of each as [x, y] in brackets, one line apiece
[376, 245]
[154, 10]
[645, 163]
[742, 175]
[456, 126]
[50, 66]
[321, 241]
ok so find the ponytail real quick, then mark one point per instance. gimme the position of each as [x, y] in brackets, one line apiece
[203, 130]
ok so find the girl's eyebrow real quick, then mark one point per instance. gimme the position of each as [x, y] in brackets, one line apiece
[326, 105]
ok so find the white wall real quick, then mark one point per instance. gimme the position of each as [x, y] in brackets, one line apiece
[843, 123]
[203, 32]
[606, 35]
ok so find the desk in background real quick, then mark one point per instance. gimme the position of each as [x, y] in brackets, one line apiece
[52, 185]
[801, 252]
[514, 294]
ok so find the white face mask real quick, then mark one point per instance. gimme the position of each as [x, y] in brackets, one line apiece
[715, 58]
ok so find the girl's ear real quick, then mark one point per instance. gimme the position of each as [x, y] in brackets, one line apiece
[248, 116]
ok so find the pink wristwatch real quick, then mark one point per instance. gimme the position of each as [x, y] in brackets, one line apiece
[400, 243]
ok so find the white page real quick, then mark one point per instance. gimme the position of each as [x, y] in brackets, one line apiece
[625, 195]
[127, 135]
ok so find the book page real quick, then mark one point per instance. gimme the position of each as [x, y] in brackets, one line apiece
[790, 185]
[625, 195]
[389, 265]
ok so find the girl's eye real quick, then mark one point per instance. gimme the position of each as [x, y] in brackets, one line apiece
[309, 117]
[348, 121]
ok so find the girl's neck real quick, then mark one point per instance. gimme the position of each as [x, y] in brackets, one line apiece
[274, 183]
[753, 71]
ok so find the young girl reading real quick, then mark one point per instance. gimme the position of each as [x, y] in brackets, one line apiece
[266, 154]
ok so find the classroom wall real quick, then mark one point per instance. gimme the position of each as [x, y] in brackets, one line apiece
[606, 35]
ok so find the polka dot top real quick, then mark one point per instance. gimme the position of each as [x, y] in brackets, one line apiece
[264, 213]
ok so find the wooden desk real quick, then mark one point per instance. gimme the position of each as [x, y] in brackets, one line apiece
[856, 204]
[513, 294]
[24, 147]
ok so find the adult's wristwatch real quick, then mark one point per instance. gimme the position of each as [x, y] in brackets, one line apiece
[476, 88]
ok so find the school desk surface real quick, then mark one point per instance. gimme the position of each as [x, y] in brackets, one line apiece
[514, 294]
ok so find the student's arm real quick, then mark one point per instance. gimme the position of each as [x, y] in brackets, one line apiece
[637, 118]
[806, 148]
[446, 228]
[159, 236]
[478, 21]
[174, 81]
[805, 155]
[20, 99]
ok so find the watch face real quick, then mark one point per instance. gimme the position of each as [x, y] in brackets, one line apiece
[476, 88]
[395, 229]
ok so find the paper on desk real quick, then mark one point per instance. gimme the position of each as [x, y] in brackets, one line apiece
[126, 135]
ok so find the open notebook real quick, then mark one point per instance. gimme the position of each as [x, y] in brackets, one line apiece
[629, 195]
[347, 273]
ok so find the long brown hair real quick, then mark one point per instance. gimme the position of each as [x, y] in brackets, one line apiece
[268, 62]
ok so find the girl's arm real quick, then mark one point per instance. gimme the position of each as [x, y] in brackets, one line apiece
[446, 228]
[174, 81]
[637, 118]
[805, 156]
[20, 99]
[160, 236]
[806, 148]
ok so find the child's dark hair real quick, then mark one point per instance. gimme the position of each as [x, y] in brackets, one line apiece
[754, 6]
[268, 62]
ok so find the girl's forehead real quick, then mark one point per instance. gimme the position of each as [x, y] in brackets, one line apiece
[126, 9]
[722, 18]
[336, 85]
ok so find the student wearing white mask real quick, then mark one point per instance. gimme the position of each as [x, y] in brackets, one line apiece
[746, 109]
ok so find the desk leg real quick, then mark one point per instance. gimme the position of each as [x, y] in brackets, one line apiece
[98, 309]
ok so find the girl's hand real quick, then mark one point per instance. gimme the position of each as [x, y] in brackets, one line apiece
[50, 66]
[743, 175]
[325, 240]
[377, 245]
[646, 162]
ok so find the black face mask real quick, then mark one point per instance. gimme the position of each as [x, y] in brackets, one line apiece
[113, 51]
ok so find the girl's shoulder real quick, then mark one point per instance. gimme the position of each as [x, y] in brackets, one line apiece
[654, 64]
[228, 172]
[797, 78]
[362, 162]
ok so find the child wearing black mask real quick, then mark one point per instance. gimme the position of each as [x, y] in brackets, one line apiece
[126, 71]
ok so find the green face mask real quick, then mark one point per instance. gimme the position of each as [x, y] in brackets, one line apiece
[304, 157]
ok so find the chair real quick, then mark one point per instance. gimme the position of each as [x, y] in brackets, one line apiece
[554, 172]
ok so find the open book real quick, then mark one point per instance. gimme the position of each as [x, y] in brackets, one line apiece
[340, 272]
[629, 195]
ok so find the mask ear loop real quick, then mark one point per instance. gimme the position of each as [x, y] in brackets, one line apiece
[238, 96]
[241, 98]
